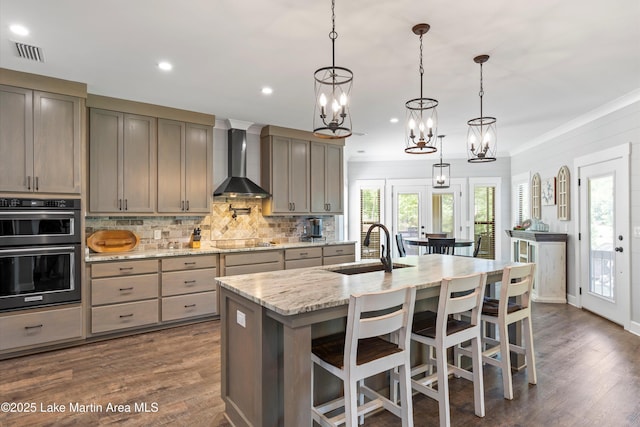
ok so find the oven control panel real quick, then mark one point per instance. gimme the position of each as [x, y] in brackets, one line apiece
[40, 203]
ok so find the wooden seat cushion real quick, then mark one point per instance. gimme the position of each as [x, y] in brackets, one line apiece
[423, 320]
[426, 326]
[490, 307]
[331, 349]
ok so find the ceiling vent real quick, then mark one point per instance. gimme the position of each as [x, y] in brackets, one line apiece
[26, 51]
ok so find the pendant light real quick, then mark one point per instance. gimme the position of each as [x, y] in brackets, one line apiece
[482, 137]
[331, 118]
[441, 172]
[422, 117]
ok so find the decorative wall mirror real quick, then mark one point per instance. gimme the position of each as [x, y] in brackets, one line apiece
[536, 196]
[563, 195]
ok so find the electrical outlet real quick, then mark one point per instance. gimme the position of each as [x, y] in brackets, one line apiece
[241, 319]
[157, 234]
[636, 231]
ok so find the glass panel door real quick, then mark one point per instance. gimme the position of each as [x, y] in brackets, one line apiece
[601, 236]
[407, 213]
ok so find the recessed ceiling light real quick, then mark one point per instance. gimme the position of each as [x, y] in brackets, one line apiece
[393, 120]
[164, 65]
[267, 90]
[19, 30]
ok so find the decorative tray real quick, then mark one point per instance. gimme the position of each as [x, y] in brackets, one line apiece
[113, 241]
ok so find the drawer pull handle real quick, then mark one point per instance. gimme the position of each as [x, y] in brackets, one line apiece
[34, 326]
[189, 305]
[126, 289]
[126, 268]
[339, 250]
[190, 263]
[304, 253]
[188, 282]
[122, 316]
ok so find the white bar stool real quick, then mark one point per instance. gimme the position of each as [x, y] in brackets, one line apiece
[517, 281]
[363, 352]
[458, 295]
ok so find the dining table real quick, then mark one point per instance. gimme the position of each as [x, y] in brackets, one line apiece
[424, 241]
[269, 319]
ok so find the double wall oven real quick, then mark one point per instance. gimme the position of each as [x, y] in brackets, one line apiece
[40, 250]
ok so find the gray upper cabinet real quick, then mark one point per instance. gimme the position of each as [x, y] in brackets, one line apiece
[286, 175]
[326, 179]
[185, 167]
[122, 162]
[39, 142]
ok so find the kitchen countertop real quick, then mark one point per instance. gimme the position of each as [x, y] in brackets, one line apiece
[291, 292]
[203, 250]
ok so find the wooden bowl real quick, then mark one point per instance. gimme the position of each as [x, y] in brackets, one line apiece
[113, 241]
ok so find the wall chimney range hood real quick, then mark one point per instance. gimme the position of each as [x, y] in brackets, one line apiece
[237, 185]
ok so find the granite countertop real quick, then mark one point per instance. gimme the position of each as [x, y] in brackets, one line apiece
[203, 250]
[291, 292]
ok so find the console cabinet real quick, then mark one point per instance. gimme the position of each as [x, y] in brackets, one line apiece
[549, 252]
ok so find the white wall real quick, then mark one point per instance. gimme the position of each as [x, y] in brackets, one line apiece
[618, 127]
[421, 169]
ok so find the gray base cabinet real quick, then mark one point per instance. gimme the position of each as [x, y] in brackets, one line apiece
[40, 327]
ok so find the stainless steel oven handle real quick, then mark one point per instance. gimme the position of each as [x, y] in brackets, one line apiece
[45, 249]
[38, 214]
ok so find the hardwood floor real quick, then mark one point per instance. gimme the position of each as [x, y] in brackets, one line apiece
[588, 375]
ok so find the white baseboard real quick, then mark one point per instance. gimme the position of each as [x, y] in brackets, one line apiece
[634, 328]
[573, 300]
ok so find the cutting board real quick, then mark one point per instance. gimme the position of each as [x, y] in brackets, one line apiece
[113, 241]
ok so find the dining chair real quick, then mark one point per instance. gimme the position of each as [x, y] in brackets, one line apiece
[476, 250]
[458, 296]
[366, 350]
[436, 235]
[441, 246]
[400, 243]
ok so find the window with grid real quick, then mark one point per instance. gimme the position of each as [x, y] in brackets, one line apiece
[370, 214]
[563, 193]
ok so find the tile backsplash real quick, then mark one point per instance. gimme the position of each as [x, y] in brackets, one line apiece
[223, 227]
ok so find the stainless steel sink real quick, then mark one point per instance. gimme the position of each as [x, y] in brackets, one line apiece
[360, 269]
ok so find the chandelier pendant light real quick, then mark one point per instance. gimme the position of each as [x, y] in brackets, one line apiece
[332, 118]
[441, 172]
[482, 136]
[422, 117]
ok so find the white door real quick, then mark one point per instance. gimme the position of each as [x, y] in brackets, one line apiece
[604, 239]
[408, 214]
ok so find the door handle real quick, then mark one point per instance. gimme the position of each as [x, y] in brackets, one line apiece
[37, 184]
[29, 183]
[619, 249]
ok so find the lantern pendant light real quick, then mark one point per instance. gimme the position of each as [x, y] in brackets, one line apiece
[332, 118]
[441, 172]
[422, 117]
[482, 136]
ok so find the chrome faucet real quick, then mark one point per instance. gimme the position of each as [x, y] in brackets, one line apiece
[385, 258]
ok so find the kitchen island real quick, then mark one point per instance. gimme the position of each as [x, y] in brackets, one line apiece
[269, 319]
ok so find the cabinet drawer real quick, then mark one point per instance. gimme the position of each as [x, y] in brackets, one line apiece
[187, 282]
[188, 263]
[121, 316]
[118, 289]
[302, 253]
[184, 306]
[124, 268]
[302, 263]
[42, 327]
[328, 260]
[335, 250]
[254, 268]
[246, 258]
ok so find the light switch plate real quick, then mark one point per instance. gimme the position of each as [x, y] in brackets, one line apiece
[157, 234]
[241, 319]
[636, 231]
